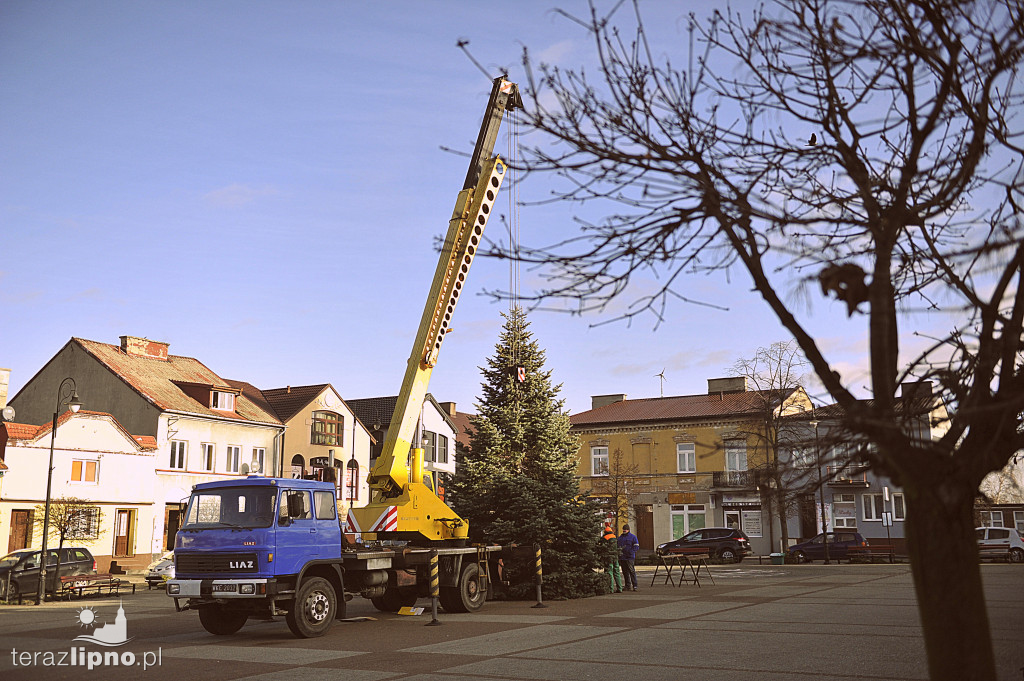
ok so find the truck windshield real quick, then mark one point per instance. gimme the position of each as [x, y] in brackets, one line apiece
[235, 507]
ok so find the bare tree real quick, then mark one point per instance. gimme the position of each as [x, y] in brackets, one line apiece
[619, 486]
[774, 376]
[72, 518]
[868, 148]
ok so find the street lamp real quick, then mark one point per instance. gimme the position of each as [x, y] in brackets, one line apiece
[821, 491]
[67, 393]
[353, 469]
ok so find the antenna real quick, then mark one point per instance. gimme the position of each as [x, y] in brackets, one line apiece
[662, 377]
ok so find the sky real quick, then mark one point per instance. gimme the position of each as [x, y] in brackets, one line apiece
[261, 184]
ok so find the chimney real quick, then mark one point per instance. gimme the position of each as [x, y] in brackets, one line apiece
[448, 408]
[733, 384]
[5, 380]
[143, 347]
[916, 390]
[597, 401]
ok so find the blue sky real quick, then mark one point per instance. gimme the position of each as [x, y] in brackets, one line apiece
[260, 184]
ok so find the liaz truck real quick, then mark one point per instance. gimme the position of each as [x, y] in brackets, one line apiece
[262, 547]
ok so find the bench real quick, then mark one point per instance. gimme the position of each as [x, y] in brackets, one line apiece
[100, 583]
[870, 552]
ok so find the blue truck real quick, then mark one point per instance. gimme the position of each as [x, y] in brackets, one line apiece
[260, 547]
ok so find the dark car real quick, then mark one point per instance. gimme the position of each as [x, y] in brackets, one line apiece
[723, 543]
[839, 544]
[19, 570]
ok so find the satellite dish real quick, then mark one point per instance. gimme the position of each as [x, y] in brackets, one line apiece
[255, 467]
[8, 413]
[245, 469]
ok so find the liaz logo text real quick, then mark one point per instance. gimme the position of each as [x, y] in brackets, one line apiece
[241, 564]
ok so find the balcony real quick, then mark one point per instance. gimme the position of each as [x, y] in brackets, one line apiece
[847, 476]
[732, 480]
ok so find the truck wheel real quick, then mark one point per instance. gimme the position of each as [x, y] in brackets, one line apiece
[314, 610]
[220, 621]
[467, 596]
[395, 599]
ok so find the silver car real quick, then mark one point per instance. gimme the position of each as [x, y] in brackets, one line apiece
[160, 570]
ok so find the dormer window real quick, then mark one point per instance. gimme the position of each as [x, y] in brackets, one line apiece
[222, 401]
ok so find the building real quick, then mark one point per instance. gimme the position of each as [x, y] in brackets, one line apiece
[324, 439]
[682, 463]
[834, 488]
[95, 460]
[204, 427]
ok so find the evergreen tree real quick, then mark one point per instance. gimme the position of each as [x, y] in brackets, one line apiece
[517, 481]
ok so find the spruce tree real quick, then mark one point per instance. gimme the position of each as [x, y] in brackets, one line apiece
[516, 483]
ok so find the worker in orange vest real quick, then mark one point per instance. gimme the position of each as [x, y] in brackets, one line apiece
[614, 576]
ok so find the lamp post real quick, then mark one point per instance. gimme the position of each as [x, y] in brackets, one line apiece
[67, 393]
[821, 492]
[352, 467]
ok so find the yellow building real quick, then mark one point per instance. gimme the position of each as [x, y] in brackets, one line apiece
[674, 464]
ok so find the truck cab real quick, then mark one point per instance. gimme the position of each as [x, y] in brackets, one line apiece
[246, 546]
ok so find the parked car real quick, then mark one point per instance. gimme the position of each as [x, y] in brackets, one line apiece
[839, 544]
[160, 570]
[724, 543]
[1001, 543]
[19, 570]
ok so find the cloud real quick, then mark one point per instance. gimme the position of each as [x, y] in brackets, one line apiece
[236, 195]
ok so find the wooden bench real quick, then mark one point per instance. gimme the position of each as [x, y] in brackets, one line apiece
[100, 583]
[870, 552]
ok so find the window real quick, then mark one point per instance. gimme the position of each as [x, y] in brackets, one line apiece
[259, 455]
[298, 499]
[442, 449]
[735, 456]
[874, 506]
[1018, 521]
[686, 518]
[85, 470]
[324, 503]
[84, 523]
[207, 456]
[328, 429]
[802, 457]
[599, 460]
[222, 401]
[899, 510]
[429, 445]
[992, 518]
[686, 457]
[178, 454]
[234, 455]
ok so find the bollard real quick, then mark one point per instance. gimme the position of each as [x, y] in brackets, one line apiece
[540, 576]
[434, 590]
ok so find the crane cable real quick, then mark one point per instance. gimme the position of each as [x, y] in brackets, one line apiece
[513, 231]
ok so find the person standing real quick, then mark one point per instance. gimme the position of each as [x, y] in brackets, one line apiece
[614, 576]
[628, 546]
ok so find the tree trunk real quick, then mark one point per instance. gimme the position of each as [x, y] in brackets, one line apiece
[947, 580]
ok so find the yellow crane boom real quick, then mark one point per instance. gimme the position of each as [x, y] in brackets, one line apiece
[402, 505]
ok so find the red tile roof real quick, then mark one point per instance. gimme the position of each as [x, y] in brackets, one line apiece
[672, 408]
[154, 380]
[29, 433]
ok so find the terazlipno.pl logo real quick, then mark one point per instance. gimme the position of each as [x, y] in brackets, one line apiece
[110, 635]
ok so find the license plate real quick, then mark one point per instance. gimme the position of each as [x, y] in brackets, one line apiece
[81, 583]
[224, 587]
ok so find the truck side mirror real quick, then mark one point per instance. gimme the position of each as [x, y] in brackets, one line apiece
[296, 509]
